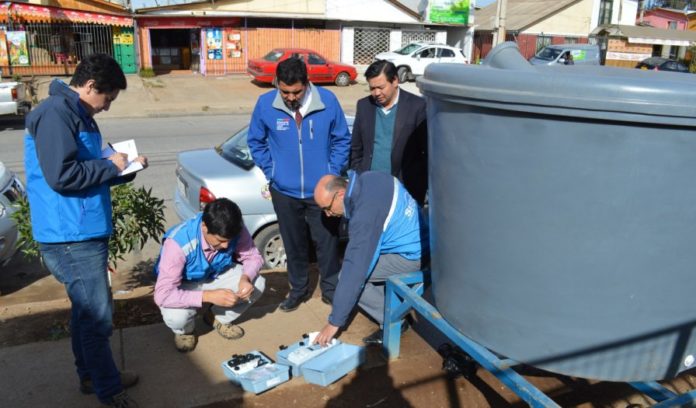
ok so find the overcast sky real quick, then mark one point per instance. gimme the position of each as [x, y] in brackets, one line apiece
[152, 3]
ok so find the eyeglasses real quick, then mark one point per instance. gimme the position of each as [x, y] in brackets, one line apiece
[327, 209]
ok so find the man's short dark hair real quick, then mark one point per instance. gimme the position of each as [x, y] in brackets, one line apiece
[291, 71]
[381, 67]
[103, 69]
[223, 217]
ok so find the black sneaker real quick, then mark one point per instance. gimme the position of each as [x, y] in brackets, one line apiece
[128, 379]
[121, 400]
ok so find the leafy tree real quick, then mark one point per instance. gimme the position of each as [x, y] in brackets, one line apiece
[137, 217]
[673, 4]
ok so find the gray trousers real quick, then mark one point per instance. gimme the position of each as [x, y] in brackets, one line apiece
[181, 320]
[372, 298]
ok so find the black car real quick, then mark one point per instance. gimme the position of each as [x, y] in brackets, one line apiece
[662, 64]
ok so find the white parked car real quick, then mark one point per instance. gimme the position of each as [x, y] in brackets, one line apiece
[11, 189]
[412, 59]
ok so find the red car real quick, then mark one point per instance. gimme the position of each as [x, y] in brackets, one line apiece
[319, 69]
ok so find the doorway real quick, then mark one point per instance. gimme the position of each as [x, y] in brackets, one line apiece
[174, 49]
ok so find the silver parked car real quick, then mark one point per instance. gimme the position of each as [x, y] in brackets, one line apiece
[229, 171]
[11, 189]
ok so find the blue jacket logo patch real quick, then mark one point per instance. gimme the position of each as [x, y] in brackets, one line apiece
[282, 124]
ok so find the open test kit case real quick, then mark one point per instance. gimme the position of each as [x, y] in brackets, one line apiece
[255, 372]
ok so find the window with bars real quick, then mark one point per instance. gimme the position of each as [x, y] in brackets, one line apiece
[51, 44]
[408, 37]
[542, 41]
[368, 42]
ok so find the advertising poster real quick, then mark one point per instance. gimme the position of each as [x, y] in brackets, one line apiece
[213, 40]
[3, 49]
[449, 11]
[17, 44]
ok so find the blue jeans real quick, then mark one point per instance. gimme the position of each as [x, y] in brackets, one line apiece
[81, 267]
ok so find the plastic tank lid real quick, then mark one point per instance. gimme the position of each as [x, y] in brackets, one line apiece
[506, 80]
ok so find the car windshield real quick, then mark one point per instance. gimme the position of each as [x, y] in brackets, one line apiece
[273, 55]
[408, 49]
[236, 150]
[548, 54]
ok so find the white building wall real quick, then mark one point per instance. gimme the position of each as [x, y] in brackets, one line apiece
[347, 37]
[628, 12]
[395, 39]
[367, 10]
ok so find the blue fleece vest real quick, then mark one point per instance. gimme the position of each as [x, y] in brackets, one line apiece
[188, 236]
[68, 217]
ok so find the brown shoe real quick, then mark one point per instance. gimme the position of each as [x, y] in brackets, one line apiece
[228, 331]
[128, 379]
[185, 342]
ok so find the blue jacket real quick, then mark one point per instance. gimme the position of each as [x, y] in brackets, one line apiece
[293, 159]
[383, 218]
[67, 180]
[188, 236]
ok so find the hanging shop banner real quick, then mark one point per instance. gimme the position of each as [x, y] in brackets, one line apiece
[30, 13]
[449, 11]
[17, 43]
[213, 41]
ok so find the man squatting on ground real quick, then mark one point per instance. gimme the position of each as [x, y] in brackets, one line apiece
[209, 258]
[387, 236]
[68, 184]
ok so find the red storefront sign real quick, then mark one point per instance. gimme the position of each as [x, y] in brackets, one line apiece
[188, 22]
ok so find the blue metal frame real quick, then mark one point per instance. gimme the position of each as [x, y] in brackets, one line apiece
[404, 292]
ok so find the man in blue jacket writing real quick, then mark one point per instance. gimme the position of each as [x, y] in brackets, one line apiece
[297, 134]
[68, 184]
[387, 236]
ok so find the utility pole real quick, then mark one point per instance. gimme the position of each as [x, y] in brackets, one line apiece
[501, 10]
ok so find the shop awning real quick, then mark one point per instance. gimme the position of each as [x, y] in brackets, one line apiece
[648, 35]
[28, 13]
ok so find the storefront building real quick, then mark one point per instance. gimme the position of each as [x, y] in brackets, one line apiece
[44, 40]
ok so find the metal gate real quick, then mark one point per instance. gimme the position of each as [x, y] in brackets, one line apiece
[56, 49]
[417, 36]
[368, 42]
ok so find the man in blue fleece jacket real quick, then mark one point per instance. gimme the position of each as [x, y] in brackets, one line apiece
[387, 236]
[68, 184]
[297, 134]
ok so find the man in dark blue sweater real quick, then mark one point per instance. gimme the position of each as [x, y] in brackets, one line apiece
[387, 236]
[68, 184]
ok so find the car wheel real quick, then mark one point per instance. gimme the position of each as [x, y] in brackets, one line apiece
[270, 244]
[343, 79]
[403, 73]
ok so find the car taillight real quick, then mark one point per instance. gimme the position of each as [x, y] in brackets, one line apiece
[14, 94]
[205, 197]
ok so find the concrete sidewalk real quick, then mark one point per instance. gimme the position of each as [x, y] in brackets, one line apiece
[43, 374]
[193, 94]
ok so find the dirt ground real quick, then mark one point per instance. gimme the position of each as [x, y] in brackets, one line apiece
[33, 308]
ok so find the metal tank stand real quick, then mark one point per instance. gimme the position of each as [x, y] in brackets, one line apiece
[404, 292]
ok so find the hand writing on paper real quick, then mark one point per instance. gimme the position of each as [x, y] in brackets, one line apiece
[120, 160]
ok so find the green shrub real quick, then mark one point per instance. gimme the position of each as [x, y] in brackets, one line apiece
[137, 216]
[147, 73]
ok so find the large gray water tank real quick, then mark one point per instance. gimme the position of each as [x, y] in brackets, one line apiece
[563, 213]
